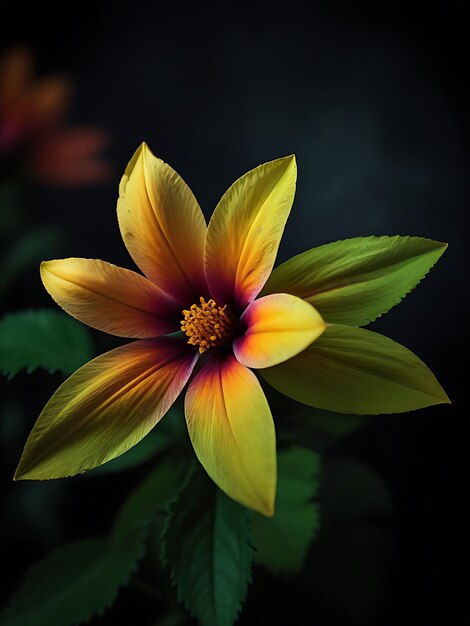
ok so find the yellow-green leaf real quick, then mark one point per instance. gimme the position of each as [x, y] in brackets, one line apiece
[354, 370]
[356, 280]
[171, 433]
[106, 407]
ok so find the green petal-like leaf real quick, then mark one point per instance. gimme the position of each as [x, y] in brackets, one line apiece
[354, 370]
[42, 338]
[207, 545]
[356, 280]
[282, 541]
[106, 407]
[74, 582]
[168, 434]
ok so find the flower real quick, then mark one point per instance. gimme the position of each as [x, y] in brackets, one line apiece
[214, 285]
[31, 112]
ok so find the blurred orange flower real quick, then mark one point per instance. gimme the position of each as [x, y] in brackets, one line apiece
[31, 115]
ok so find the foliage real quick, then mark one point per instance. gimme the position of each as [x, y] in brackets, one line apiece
[171, 431]
[42, 338]
[354, 281]
[82, 578]
[283, 540]
[355, 370]
[152, 495]
[74, 582]
[207, 545]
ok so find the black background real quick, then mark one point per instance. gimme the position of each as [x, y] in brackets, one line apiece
[373, 99]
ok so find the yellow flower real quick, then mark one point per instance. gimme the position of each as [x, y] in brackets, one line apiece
[201, 288]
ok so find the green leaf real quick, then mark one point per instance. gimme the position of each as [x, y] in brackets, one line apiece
[42, 338]
[356, 280]
[105, 407]
[283, 540]
[151, 445]
[154, 494]
[206, 543]
[27, 251]
[168, 434]
[74, 582]
[354, 370]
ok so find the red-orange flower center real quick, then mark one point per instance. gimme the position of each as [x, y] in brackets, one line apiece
[208, 325]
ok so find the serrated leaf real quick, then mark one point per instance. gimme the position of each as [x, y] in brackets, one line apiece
[282, 541]
[207, 545]
[152, 495]
[354, 281]
[168, 433]
[42, 338]
[74, 582]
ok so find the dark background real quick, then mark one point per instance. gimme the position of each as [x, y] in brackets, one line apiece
[373, 99]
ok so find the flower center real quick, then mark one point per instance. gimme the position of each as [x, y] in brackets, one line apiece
[208, 325]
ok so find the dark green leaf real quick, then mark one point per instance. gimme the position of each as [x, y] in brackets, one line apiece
[154, 494]
[76, 581]
[42, 338]
[206, 543]
[282, 541]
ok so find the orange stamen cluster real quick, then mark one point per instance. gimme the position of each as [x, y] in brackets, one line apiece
[207, 325]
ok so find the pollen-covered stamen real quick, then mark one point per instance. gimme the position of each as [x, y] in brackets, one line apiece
[208, 325]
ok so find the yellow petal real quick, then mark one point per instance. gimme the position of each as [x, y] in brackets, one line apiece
[163, 226]
[245, 230]
[277, 328]
[232, 431]
[110, 298]
[106, 407]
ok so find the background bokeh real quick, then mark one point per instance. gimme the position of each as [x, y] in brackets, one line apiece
[373, 99]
